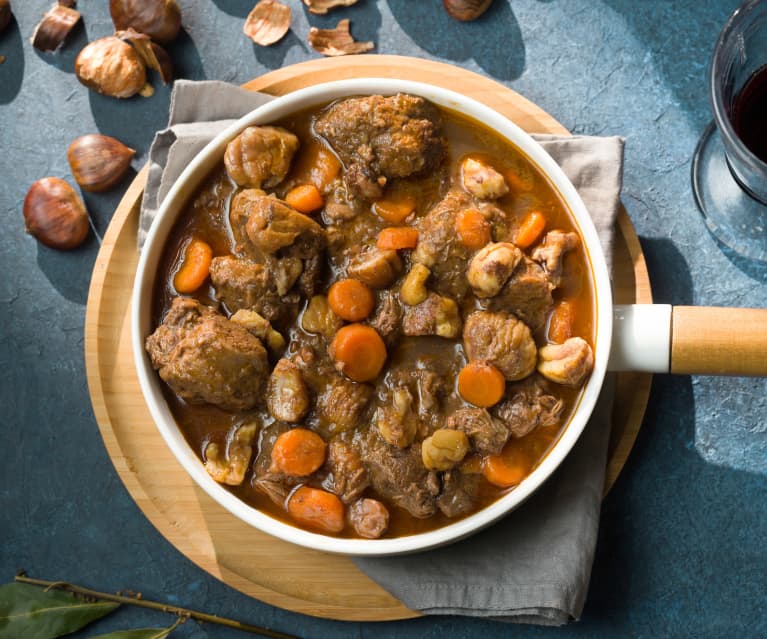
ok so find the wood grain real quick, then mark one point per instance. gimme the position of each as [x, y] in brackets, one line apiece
[261, 566]
[718, 341]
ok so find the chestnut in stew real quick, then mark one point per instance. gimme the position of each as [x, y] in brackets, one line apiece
[373, 318]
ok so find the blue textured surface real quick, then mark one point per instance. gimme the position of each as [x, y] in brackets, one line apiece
[682, 543]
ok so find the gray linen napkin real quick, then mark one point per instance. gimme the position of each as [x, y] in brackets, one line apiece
[534, 565]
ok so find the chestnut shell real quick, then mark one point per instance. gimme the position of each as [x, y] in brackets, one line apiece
[159, 19]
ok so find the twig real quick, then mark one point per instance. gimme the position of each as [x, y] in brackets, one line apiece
[154, 605]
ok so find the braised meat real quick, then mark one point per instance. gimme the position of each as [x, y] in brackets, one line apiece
[459, 493]
[369, 517]
[346, 476]
[379, 138]
[436, 315]
[344, 404]
[486, 434]
[204, 357]
[527, 294]
[551, 251]
[529, 404]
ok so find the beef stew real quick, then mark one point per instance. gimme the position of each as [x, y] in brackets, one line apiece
[388, 338]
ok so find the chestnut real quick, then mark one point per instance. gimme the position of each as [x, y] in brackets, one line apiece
[5, 13]
[159, 19]
[54, 214]
[466, 10]
[98, 161]
[112, 67]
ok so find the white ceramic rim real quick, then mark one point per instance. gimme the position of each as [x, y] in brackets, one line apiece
[189, 181]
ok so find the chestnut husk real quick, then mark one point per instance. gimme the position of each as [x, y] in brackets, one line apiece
[466, 10]
[153, 55]
[112, 67]
[55, 215]
[321, 7]
[98, 162]
[5, 14]
[159, 19]
[338, 41]
[268, 22]
[54, 27]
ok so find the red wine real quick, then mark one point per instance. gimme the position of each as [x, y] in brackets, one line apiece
[749, 114]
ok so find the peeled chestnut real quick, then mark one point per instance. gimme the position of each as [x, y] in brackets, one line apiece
[5, 13]
[112, 67]
[55, 214]
[98, 161]
[159, 19]
[466, 10]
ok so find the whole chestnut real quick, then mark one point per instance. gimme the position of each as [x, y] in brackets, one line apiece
[466, 10]
[159, 19]
[98, 162]
[54, 214]
[112, 67]
[5, 13]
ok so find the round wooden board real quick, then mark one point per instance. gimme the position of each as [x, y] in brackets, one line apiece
[266, 568]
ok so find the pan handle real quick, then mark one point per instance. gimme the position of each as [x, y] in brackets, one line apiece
[689, 340]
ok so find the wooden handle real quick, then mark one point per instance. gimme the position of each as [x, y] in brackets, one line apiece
[718, 341]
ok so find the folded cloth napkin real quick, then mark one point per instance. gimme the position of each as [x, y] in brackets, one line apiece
[534, 565]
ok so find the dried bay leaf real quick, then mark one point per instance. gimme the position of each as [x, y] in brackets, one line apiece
[140, 633]
[32, 613]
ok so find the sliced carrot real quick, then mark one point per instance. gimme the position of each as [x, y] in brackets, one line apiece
[325, 169]
[395, 209]
[298, 452]
[472, 228]
[507, 469]
[561, 322]
[305, 198]
[530, 230]
[397, 237]
[358, 352]
[351, 300]
[318, 509]
[195, 267]
[481, 384]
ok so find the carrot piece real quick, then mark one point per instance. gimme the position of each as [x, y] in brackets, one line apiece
[351, 300]
[305, 198]
[325, 169]
[318, 509]
[395, 208]
[561, 322]
[194, 268]
[507, 469]
[530, 230]
[397, 237]
[472, 228]
[298, 452]
[358, 352]
[481, 384]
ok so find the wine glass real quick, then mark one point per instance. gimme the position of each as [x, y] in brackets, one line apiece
[729, 167]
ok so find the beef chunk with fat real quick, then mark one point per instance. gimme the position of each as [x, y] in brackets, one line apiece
[379, 138]
[486, 434]
[527, 406]
[204, 357]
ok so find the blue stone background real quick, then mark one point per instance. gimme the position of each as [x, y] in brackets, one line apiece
[681, 550]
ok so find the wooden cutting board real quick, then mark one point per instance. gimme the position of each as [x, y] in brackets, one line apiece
[261, 566]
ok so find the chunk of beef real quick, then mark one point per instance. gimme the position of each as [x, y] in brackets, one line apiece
[291, 243]
[569, 363]
[315, 365]
[551, 251]
[459, 493]
[379, 138]
[486, 434]
[528, 406]
[230, 467]
[209, 359]
[243, 284]
[373, 266]
[436, 315]
[440, 248]
[369, 517]
[346, 476]
[343, 405]
[482, 180]
[287, 397]
[399, 476]
[527, 294]
[387, 318]
[260, 156]
[502, 340]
